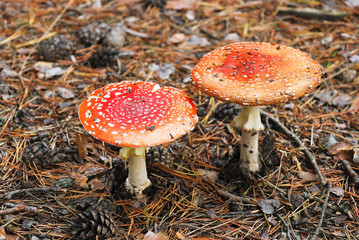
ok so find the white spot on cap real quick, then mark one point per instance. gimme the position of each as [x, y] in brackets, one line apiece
[88, 114]
[156, 87]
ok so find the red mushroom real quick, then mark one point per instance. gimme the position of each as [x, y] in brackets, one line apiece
[137, 115]
[253, 74]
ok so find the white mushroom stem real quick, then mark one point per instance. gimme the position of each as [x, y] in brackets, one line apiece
[137, 179]
[249, 122]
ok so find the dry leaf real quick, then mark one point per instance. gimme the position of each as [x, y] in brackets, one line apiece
[308, 176]
[210, 175]
[268, 206]
[153, 236]
[355, 105]
[96, 184]
[81, 144]
[334, 149]
[65, 93]
[2, 234]
[80, 180]
[338, 191]
[356, 156]
[181, 4]
[177, 38]
[204, 238]
[339, 219]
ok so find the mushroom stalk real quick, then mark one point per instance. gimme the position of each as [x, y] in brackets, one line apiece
[137, 179]
[249, 121]
[249, 150]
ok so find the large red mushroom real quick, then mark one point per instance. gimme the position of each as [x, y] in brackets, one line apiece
[254, 74]
[134, 116]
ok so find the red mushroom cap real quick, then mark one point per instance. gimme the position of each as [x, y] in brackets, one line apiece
[252, 73]
[139, 114]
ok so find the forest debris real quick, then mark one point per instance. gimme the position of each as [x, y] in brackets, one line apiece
[352, 3]
[235, 197]
[352, 174]
[8, 73]
[313, 13]
[339, 219]
[10, 195]
[210, 175]
[177, 38]
[116, 36]
[181, 4]
[268, 206]
[338, 191]
[81, 144]
[345, 152]
[96, 183]
[354, 58]
[355, 105]
[163, 71]
[341, 101]
[65, 93]
[135, 33]
[42, 66]
[54, 72]
[18, 208]
[3, 233]
[211, 213]
[308, 176]
[27, 224]
[324, 207]
[195, 40]
[80, 180]
[309, 156]
[153, 236]
[232, 37]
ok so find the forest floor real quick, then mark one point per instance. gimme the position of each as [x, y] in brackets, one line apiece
[55, 175]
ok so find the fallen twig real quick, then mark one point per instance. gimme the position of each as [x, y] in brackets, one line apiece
[290, 134]
[350, 171]
[331, 206]
[19, 208]
[325, 203]
[9, 195]
[313, 13]
[235, 197]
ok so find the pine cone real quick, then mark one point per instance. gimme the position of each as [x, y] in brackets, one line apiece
[226, 111]
[154, 3]
[93, 33]
[56, 48]
[104, 56]
[160, 155]
[94, 225]
[41, 154]
[116, 36]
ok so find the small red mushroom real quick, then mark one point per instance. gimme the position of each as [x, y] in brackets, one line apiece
[253, 74]
[137, 115]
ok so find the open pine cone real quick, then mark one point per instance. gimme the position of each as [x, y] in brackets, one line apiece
[160, 155]
[57, 48]
[94, 225]
[93, 33]
[104, 56]
[226, 111]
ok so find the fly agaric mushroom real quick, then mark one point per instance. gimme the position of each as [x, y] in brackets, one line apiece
[137, 115]
[253, 74]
